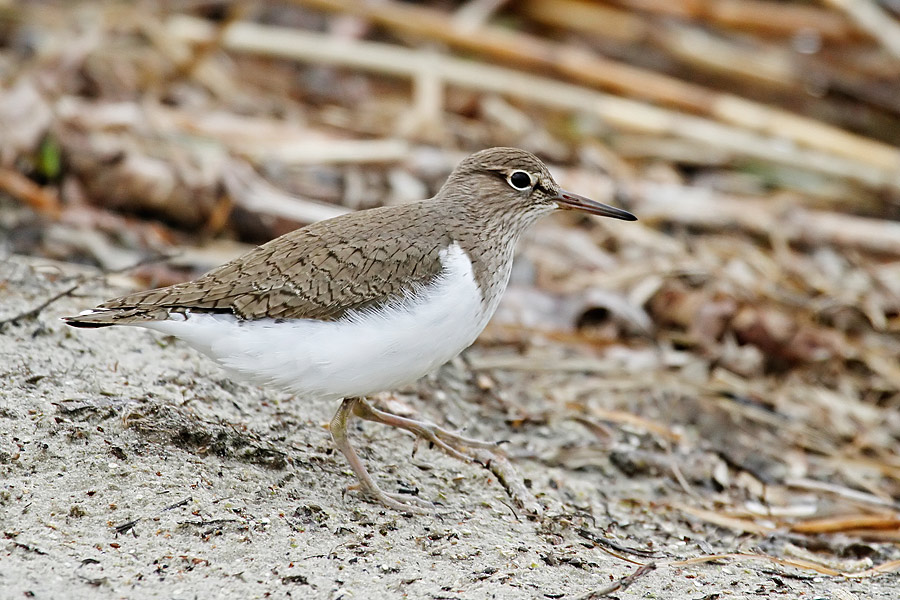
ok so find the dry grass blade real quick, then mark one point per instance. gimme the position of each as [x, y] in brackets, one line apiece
[847, 523]
[696, 46]
[626, 418]
[726, 521]
[847, 493]
[620, 585]
[761, 16]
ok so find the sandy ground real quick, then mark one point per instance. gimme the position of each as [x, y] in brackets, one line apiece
[132, 467]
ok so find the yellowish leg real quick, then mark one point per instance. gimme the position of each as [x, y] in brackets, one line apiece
[449, 442]
[339, 435]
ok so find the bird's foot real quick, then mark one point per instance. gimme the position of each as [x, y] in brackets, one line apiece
[463, 448]
[452, 443]
[458, 446]
[400, 502]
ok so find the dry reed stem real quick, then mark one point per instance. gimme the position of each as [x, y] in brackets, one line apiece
[871, 168]
[888, 567]
[587, 68]
[874, 20]
[768, 64]
[725, 521]
[758, 16]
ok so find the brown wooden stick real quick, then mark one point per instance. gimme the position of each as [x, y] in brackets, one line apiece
[694, 45]
[40, 199]
[588, 17]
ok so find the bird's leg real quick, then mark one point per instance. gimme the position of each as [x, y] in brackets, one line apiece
[460, 447]
[399, 502]
[451, 443]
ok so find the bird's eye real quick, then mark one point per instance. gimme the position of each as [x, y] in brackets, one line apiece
[519, 180]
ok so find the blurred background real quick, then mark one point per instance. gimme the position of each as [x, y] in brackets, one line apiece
[748, 324]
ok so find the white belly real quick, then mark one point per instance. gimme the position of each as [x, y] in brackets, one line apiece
[363, 353]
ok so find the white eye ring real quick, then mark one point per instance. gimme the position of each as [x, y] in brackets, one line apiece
[517, 181]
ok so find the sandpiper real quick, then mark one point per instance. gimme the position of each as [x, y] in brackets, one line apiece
[367, 301]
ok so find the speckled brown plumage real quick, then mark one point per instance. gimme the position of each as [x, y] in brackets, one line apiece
[363, 259]
[318, 272]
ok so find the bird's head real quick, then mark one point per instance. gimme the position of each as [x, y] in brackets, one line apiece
[515, 182]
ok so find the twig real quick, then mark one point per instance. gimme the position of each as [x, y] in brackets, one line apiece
[843, 523]
[210, 522]
[676, 471]
[601, 541]
[620, 584]
[335, 151]
[29, 548]
[763, 16]
[33, 312]
[690, 43]
[126, 527]
[588, 17]
[724, 521]
[474, 13]
[749, 64]
[887, 567]
[176, 504]
[841, 491]
[129, 525]
[511, 481]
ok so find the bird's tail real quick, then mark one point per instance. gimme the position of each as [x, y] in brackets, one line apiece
[104, 317]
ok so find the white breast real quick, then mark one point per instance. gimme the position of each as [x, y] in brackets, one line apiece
[365, 352]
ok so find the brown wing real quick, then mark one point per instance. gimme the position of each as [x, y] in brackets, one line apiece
[317, 272]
